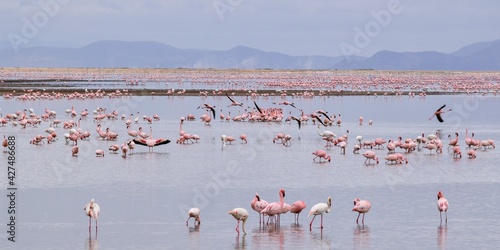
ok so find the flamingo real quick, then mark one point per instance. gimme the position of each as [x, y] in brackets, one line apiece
[5, 143]
[362, 207]
[471, 153]
[131, 145]
[258, 205]
[442, 205]
[240, 214]
[319, 209]
[131, 132]
[233, 102]
[92, 210]
[275, 208]
[438, 113]
[195, 213]
[370, 155]
[114, 148]
[287, 140]
[208, 107]
[99, 153]
[124, 148]
[151, 142]
[456, 152]
[296, 208]
[321, 154]
[279, 136]
[243, 138]
[453, 142]
[74, 151]
[143, 134]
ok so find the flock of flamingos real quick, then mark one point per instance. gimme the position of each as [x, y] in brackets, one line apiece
[368, 82]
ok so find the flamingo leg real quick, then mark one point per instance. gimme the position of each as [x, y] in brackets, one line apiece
[321, 221]
[237, 227]
[440, 217]
[363, 220]
[90, 222]
[358, 218]
[446, 213]
[310, 224]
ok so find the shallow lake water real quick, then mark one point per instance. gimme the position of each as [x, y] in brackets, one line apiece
[144, 197]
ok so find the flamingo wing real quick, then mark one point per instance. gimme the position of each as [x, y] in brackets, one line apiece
[442, 107]
[260, 111]
[141, 141]
[298, 121]
[323, 113]
[161, 141]
[230, 98]
[319, 120]
[438, 116]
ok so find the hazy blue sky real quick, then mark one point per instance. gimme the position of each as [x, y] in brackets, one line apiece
[305, 27]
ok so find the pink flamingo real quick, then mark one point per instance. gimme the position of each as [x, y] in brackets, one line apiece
[233, 102]
[456, 152]
[279, 136]
[453, 142]
[321, 154]
[114, 148]
[124, 148]
[240, 214]
[92, 210]
[438, 113]
[274, 208]
[442, 205]
[99, 153]
[194, 213]
[151, 142]
[258, 205]
[131, 132]
[362, 207]
[296, 208]
[5, 143]
[370, 155]
[243, 138]
[471, 153]
[319, 209]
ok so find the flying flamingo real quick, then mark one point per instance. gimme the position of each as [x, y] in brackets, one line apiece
[274, 208]
[362, 207]
[439, 112]
[240, 214]
[321, 154]
[296, 208]
[208, 107]
[92, 210]
[151, 142]
[195, 213]
[319, 209]
[233, 102]
[442, 205]
[258, 205]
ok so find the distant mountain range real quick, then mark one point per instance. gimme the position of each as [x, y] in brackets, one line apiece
[484, 56]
